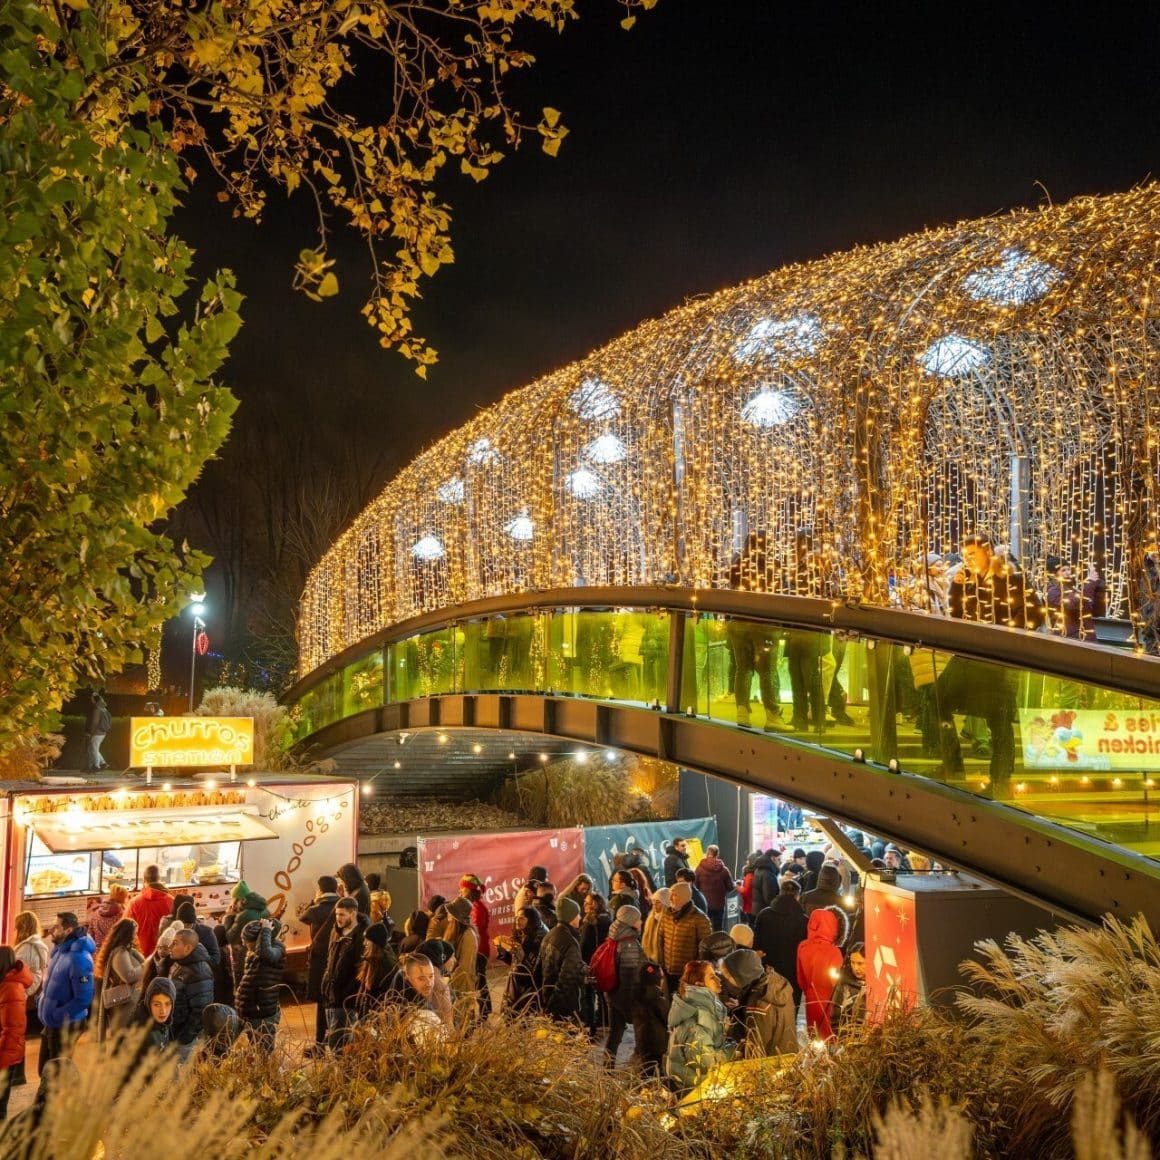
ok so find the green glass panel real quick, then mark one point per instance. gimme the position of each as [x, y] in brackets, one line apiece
[612, 656]
[362, 684]
[426, 665]
[504, 653]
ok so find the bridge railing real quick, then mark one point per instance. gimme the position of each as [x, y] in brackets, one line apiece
[1066, 731]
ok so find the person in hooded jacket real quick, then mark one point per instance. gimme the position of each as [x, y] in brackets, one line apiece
[103, 917]
[522, 951]
[155, 1011]
[819, 961]
[765, 881]
[697, 1021]
[848, 1002]
[828, 891]
[780, 930]
[150, 906]
[258, 994]
[319, 917]
[815, 859]
[192, 976]
[625, 931]
[15, 979]
[676, 858]
[763, 1015]
[67, 992]
[715, 883]
[340, 979]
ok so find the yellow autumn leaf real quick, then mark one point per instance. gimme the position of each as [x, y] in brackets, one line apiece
[627, 22]
[328, 287]
[551, 117]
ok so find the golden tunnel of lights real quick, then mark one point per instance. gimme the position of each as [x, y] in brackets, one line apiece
[995, 375]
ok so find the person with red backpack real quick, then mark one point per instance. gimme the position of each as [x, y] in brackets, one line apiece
[616, 967]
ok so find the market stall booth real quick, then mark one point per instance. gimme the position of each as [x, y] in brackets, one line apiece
[64, 847]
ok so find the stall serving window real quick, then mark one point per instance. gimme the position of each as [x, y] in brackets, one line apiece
[87, 854]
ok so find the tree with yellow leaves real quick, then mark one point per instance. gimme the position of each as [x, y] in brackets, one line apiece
[262, 89]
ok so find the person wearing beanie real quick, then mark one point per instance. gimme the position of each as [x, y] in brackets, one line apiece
[699, 900]
[828, 891]
[780, 930]
[715, 947]
[562, 964]
[650, 936]
[460, 932]
[765, 870]
[814, 861]
[247, 906]
[221, 1027]
[683, 927]
[340, 978]
[764, 1016]
[625, 931]
[258, 992]
[742, 936]
[376, 969]
[716, 884]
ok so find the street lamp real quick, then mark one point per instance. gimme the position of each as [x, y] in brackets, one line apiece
[197, 608]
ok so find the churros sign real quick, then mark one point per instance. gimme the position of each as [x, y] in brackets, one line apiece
[191, 741]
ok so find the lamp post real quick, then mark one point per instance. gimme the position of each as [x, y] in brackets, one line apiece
[197, 608]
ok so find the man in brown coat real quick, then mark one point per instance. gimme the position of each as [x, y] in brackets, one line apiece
[682, 929]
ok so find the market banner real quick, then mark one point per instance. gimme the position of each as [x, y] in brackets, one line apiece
[891, 950]
[1122, 739]
[501, 861]
[603, 843]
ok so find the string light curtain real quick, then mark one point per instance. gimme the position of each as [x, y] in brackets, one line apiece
[997, 375]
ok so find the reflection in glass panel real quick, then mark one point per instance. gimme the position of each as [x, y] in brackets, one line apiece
[504, 652]
[620, 656]
[426, 665]
[362, 684]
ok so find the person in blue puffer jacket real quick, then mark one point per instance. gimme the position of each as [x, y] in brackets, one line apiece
[67, 992]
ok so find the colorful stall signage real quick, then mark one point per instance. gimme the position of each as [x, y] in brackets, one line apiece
[501, 861]
[891, 950]
[1121, 739]
[190, 742]
[603, 843]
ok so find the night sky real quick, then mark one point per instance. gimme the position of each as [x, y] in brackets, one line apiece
[716, 141]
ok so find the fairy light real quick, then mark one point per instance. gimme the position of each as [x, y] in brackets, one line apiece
[878, 397]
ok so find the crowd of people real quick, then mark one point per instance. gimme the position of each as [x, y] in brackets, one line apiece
[650, 954]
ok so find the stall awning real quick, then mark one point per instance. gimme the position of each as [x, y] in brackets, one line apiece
[131, 830]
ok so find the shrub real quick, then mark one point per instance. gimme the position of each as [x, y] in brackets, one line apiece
[25, 760]
[273, 730]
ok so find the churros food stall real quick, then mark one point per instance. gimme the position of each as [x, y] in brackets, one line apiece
[64, 847]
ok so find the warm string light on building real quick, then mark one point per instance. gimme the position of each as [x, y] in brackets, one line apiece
[995, 375]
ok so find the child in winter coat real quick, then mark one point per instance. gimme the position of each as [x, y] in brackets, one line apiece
[15, 979]
[650, 1019]
[155, 1011]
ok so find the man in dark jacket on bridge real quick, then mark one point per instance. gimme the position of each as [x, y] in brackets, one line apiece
[192, 976]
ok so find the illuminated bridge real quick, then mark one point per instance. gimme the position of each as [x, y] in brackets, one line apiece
[562, 564]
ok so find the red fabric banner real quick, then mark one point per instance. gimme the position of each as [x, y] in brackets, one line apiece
[891, 949]
[502, 862]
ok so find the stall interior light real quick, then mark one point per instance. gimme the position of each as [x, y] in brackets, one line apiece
[251, 782]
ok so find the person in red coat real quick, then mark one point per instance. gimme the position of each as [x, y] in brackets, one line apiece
[819, 965]
[148, 909]
[15, 979]
[716, 883]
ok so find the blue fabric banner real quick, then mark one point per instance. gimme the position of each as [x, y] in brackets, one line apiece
[603, 843]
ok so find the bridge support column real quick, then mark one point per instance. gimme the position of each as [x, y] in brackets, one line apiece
[883, 704]
[676, 662]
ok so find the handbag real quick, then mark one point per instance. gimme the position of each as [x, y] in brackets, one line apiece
[116, 995]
